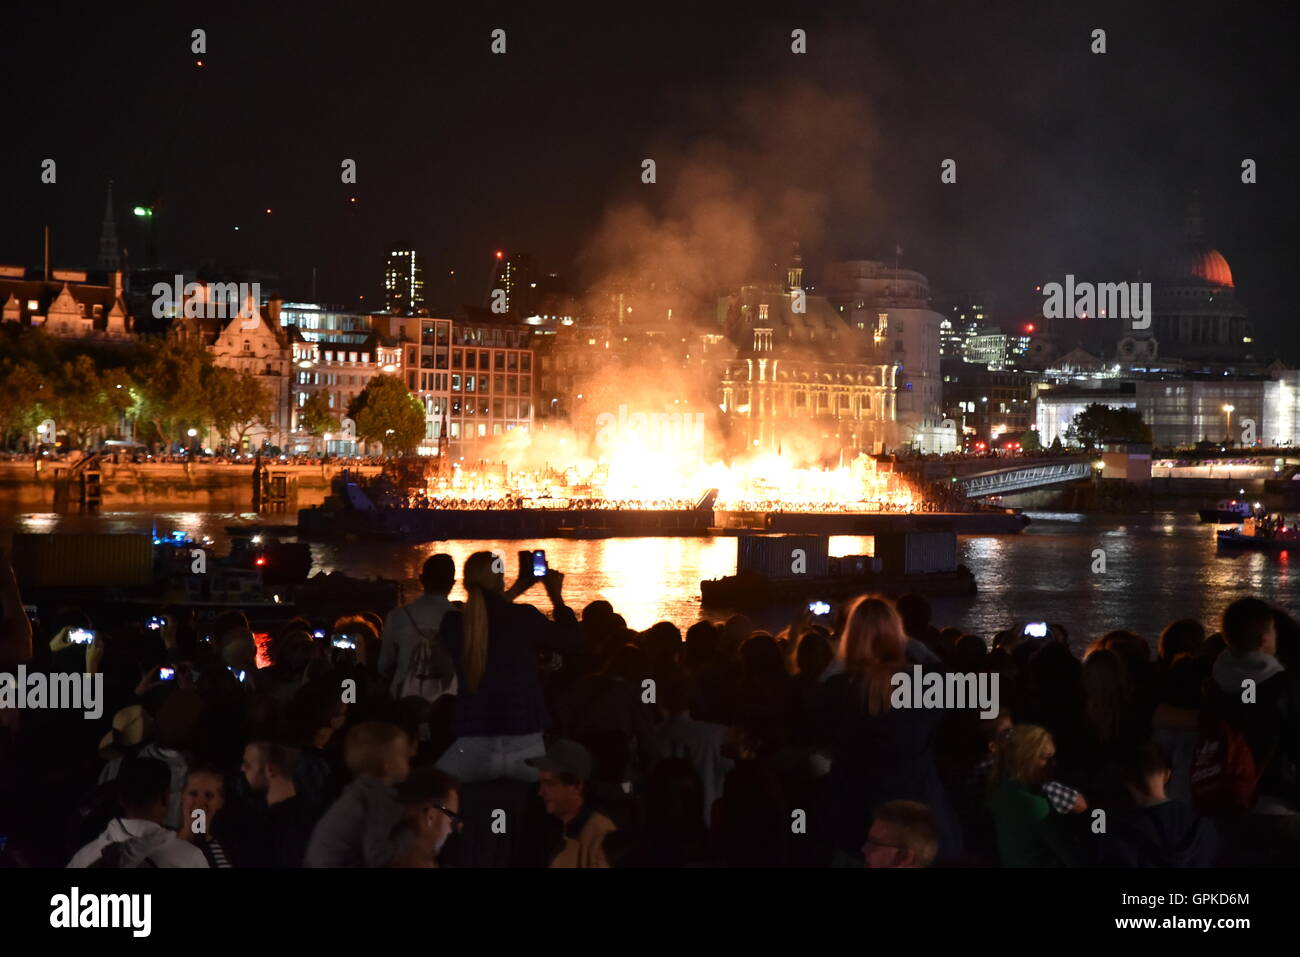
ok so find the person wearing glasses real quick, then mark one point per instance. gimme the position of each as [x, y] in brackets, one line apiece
[430, 802]
[903, 834]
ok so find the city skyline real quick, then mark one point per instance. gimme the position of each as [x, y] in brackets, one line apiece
[1065, 178]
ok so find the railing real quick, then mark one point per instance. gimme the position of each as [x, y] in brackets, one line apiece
[1014, 480]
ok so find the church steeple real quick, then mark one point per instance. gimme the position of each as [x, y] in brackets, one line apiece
[794, 275]
[109, 256]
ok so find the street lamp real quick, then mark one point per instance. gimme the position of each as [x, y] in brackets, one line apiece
[1227, 411]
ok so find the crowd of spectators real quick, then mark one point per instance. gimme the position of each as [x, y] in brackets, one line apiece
[488, 733]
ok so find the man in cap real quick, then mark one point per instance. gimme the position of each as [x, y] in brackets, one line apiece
[562, 780]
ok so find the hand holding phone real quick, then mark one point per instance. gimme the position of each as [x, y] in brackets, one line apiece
[81, 636]
[539, 564]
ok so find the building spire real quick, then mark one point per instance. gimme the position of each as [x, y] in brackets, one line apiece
[109, 255]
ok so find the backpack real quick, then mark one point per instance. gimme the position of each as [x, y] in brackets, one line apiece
[429, 676]
[1225, 774]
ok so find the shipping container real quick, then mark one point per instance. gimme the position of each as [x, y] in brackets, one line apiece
[910, 553]
[81, 560]
[781, 556]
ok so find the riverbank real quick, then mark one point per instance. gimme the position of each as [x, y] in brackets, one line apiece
[187, 486]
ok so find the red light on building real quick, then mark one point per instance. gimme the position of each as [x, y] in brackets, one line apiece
[1029, 327]
[500, 254]
[260, 560]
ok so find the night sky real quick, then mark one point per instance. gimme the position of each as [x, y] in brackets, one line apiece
[1067, 161]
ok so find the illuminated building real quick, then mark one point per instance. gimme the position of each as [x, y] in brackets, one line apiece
[333, 353]
[403, 281]
[811, 373]
[66, 306]
[891, 307]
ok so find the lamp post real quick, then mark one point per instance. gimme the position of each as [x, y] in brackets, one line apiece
[1227, 411]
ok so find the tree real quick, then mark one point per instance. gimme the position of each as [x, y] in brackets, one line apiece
[316, 417]
[24, 397]
[86, 400]
[169, 397]
[1030, 441]
[386, 413]
[237, 402]
[1098, 424]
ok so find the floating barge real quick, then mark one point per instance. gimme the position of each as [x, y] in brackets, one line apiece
[787, 569]
[351, 514]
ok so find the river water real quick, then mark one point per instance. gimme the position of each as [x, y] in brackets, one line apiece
[1158, 567]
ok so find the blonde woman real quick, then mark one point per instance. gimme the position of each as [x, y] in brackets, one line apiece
[1029, 832]
[500, 712]
[878, 753]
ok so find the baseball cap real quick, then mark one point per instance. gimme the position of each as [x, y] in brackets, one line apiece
[565, 757]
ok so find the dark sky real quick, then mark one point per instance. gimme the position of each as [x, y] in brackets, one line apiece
[1067, 161]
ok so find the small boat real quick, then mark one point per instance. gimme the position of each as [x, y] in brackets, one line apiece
[1266, 533]
[1228, 512]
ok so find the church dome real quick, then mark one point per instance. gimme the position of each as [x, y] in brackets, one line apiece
[1202, 264]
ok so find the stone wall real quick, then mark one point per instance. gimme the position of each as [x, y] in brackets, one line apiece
[199, 487]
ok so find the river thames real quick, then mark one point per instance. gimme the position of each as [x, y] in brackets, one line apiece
[1158, 567]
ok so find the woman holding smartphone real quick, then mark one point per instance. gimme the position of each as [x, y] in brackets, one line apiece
[500, 712]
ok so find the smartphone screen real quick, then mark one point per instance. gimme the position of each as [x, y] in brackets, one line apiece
[81, 636]
[819, 607]
[539, 564]
[1036, 629]
[166, 674]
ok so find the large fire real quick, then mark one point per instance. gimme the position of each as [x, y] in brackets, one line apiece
[648, 471]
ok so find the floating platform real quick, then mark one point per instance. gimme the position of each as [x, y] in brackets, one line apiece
[787, 569]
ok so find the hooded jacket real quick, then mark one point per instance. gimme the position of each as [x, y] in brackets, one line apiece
[1169, 834]
[1270, 724]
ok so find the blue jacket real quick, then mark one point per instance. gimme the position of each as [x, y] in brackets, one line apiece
[509, 698]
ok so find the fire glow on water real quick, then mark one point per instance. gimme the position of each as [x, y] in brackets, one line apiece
[655, 468]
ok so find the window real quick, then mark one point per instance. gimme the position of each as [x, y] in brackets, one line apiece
[512, 385]
[457, 358]
[410, 380]
[483, 359]
[455, 383]
[523, 408]
[469, 359]
[525, 361]
[499, 408]
[512, 362]
[469, 383]
[410, 356]
[525, 385]
[499, 383]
